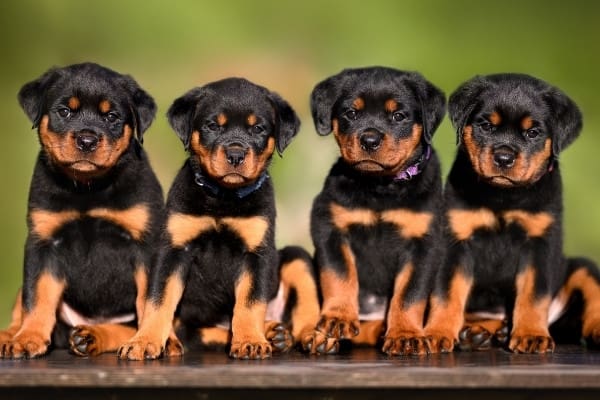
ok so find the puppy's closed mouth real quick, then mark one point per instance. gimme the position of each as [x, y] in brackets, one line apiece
[369, 166]
[83, 165]
[233, 179]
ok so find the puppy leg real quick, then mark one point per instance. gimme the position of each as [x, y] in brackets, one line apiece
[339, 316]
[247, 325]
[447, 313]
[530, 333]
[405, 320]
[156, 335]
[15, 320]
[33, 337]
[584, 277]
[92, 340]
[297, 276]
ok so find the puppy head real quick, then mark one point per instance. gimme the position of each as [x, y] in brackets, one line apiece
[232, 128]
[86, 116]
[513, 126]
[379, 116]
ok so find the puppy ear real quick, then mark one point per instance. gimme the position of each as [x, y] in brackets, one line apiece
[287, 121]
[565, 120]
[143, 107]
[32, 95]
[181, 114]
[463, 101]
[433, 104]
[322, 99]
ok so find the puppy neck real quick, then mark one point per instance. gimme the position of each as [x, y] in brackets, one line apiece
[415, 168]
[216, 190]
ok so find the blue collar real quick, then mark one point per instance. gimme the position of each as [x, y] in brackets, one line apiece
[240, 193]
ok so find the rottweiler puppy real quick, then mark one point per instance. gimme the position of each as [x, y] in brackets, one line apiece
[93, 213]
[217, 264]
[375, 224]
[503, 212]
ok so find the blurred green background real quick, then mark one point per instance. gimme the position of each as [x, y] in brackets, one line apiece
[288, 46]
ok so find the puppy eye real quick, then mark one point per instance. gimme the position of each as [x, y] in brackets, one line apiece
[486, 126]
[112, 117]
[532, 133]
[64, 112]
[351, 114]
[212, 126]
[398, 116]
[257, 129]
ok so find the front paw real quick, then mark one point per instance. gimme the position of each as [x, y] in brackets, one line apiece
[401, 345]
[141, 348]
[316, 342]
[339, 327]
[250, 350]
[439, 342]
[25, 345]
[524, 342]
[83, 341]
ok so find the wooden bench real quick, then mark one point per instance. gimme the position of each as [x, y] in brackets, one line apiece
[572, 372]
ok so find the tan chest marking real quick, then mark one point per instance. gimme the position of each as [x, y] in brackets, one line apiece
[464, 222]
[134, 220]
[184, 228]
[534, 224]
[410, 224]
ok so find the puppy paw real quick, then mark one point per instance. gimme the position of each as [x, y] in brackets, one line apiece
[474, 338]
[83, 341]
[173, 347]
[402, 345]
[531, 343]
[279, 336]
[439, 343]
[250, 350]
[141, 348]
[25, 345]
[339, 327]
[316, 342]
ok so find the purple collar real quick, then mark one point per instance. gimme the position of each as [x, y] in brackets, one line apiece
[416, 168]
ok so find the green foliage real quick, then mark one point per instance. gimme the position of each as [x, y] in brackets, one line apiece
[288, 46]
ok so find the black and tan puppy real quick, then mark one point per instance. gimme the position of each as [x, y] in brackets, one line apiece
[218, 263]
[94, 209]
[375, 223]
[504, 219]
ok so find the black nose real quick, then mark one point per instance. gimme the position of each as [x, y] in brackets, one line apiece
[504, 157]
[235, 155]
[86, 142]
[370, 141]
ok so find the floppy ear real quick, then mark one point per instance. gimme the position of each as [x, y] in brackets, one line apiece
[322, 99]
[181, 114]
[288, 123]
[433, 104]
[144, 107]
[566, 120]
[463, 102]
[32, 95]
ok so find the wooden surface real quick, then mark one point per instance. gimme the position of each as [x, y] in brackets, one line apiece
[571, 368]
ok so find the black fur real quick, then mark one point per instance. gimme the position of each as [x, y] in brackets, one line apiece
[94, 256]
[379, 250]
[226, 126]
[510, 129]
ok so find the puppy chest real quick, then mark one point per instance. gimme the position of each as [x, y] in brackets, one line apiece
[214, 234]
